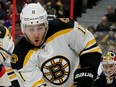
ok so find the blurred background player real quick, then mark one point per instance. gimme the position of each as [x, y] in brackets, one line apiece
[6, 48]
[108, 76]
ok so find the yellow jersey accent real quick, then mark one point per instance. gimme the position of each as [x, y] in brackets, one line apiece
[97, 49]
[58, 34]
[91, 42]
[28, 56]
[38, 83]
[9, 70]
[7, 32]
[12, 76]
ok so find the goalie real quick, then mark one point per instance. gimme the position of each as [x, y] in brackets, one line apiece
[108, 76]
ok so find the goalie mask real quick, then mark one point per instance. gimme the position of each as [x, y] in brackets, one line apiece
[109, 66]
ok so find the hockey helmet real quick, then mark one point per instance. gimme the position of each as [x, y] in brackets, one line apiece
[32, 14]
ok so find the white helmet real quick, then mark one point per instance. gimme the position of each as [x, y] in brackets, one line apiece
[32, 14]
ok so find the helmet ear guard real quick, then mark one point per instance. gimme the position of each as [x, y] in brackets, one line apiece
[33, 14]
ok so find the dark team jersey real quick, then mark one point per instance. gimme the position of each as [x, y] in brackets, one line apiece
[102, 82]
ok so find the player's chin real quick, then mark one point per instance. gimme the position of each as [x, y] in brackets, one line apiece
[36, 43]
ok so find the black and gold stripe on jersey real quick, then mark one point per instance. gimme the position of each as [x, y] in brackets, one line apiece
[21, 54]
[91, 47]
[11, 74]
[55, 30]
[54, 27]
[40, 83]
[12, 78]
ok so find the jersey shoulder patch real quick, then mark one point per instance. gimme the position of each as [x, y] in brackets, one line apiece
[20, 52]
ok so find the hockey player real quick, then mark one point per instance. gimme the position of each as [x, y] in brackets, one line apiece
[108, 76]
[7, 76]
[63, 50]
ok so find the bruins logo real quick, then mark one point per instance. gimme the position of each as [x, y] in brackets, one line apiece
[14, 58]
[56, 70]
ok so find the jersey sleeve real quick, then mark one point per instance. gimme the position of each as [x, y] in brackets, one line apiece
[86, 47]
[81, 40]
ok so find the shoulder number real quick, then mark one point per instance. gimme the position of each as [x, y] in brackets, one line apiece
[65, 20]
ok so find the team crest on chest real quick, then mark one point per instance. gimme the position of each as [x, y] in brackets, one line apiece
[56, 70]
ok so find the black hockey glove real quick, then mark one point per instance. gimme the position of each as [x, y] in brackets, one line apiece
[83, 78]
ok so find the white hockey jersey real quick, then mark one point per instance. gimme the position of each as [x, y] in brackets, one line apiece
[59, 58]
[65, 44]
[25, 64]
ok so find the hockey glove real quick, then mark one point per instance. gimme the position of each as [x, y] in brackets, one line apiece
[83, 78]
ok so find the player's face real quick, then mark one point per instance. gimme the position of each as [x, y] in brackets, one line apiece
[109, 68]
[35, 33]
